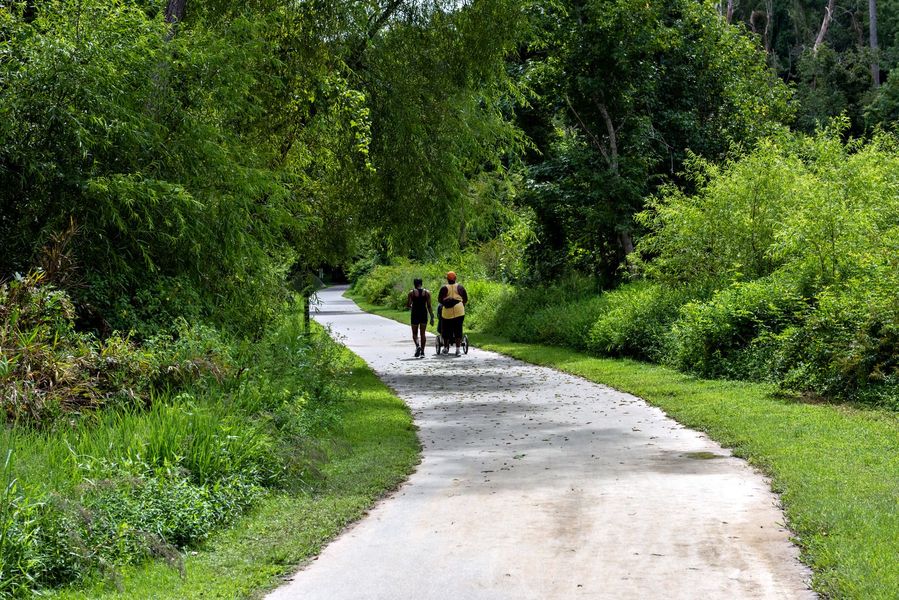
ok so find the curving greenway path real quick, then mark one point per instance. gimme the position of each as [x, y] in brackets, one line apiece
[538, 484]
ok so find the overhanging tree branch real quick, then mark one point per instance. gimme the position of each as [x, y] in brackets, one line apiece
[828, 16]
[375, 23]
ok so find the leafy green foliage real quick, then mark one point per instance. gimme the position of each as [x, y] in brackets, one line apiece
[444, 125]
[47, 367]
[370, 452]
[636, 320]
[206, 164]
[623, 91]
[847, 347]
[808, 225]
[730, 335]
[93, 492]
[18, 535]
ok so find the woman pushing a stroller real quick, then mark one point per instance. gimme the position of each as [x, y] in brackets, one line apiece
[451, 301]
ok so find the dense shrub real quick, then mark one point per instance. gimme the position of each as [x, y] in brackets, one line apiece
[47, 367]
[636, 319]
[848, 347]
[727, 229]
[815, 208]
[98, 489]
[52, 540]
[727, 335]
[809, 225]
[553, 314]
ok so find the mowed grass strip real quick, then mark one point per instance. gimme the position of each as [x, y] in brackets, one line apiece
[372, 452]
[835, 466]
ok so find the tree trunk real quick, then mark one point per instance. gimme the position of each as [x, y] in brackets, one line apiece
[30, 13]
[769, 17]
[627, 246]
[613, 139]
[828, 16]
[730, 11]
[593, 139]
[627, 242]
[174, 11]
[872, 30]
[174, 14]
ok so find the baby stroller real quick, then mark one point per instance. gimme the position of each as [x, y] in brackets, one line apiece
[443, 345]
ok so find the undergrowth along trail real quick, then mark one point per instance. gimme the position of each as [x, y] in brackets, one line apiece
[369, 453]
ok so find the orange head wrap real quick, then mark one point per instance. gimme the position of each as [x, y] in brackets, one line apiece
[451, 276]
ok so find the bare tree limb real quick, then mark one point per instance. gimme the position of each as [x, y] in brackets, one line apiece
[593, 139]
[825, 24]
[613, 139]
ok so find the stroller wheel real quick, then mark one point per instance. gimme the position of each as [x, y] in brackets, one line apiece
[465, 344]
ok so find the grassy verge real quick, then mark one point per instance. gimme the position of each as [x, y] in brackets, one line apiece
[370, 453]
[836, 466]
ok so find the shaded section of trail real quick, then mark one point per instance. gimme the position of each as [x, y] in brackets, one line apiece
[538, 484]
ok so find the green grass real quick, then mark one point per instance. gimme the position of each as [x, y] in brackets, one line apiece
[836, 466]
[372, 451]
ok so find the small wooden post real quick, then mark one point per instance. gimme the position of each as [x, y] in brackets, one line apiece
[306, 296]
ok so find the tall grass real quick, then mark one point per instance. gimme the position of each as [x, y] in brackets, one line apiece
[99, 489]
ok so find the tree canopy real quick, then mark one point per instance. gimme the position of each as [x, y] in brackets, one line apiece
[170, 158]
[622, 92]
[186, 158]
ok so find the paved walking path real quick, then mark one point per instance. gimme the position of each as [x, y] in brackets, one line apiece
[538, 484]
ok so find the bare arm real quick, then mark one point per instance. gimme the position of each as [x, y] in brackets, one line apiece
[430, 310]
[464, 294]
[409, 301]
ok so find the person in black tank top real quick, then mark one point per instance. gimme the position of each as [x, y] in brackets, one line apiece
[419, 302]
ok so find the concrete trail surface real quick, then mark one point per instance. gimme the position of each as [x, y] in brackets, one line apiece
[535, 484]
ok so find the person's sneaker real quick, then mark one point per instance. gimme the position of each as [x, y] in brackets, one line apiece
[417, 351]
[458, 352]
